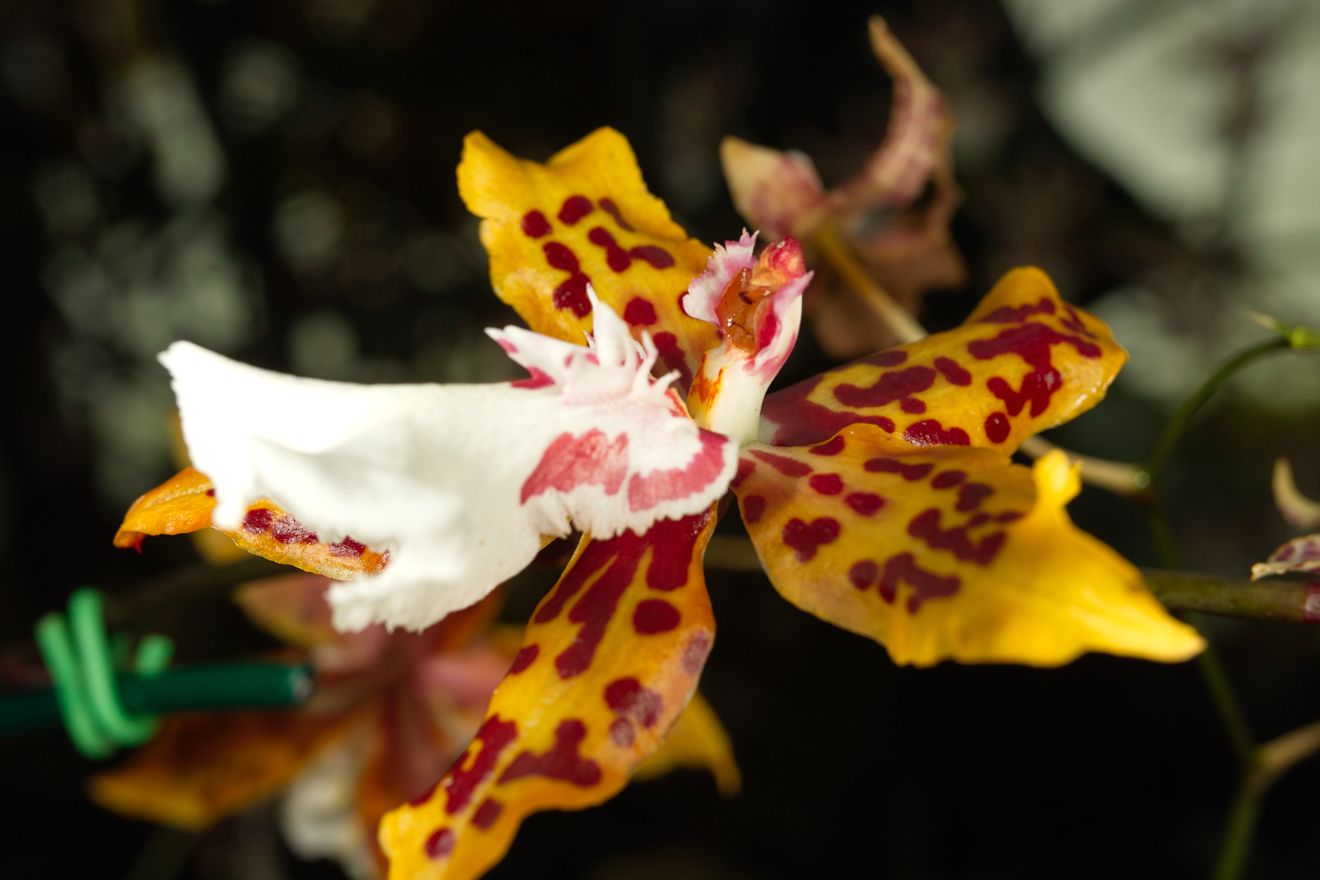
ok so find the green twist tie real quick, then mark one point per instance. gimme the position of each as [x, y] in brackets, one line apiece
[82, 669]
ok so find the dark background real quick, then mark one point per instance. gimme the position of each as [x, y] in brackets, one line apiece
[312, 223]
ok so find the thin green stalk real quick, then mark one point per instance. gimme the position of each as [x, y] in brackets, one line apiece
[1238, 834]
[1182, 417]
[1229, 708]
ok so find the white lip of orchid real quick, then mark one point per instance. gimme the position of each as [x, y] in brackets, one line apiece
[731, 385]
[458, 482]
[612, 364]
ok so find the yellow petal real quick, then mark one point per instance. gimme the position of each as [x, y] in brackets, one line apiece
[585, 217]
[201, 768]
[609, 660]
[184, 503]
[1023, 362]
[946, 553]
[698, 741]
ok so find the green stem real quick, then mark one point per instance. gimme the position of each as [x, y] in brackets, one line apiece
[1182, 417]
[1238, 833]
[1270, 599]
[1228, 708]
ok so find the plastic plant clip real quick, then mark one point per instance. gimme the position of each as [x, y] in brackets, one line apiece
[78, 654]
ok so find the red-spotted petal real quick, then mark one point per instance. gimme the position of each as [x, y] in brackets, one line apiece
[946, 553]
[1023, 362]
[585, 218]
[609, 660]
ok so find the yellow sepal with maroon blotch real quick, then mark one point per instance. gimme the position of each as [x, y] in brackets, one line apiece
[585, 217]
[609, 660]
[1023, 362]
[946, 553]
[202, 767]
[697, 741]
[184, 504]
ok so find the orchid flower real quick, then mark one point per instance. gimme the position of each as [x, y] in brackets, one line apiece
[880, 496]
[391, 713]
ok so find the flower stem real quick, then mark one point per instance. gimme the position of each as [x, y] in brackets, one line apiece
[839, 254]
[1272, 760]
[1182, 417]
[1272, 599]
[1119, 477]
[1238, 835]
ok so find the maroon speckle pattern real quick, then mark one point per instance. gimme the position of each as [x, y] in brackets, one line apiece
[864, 503]
[826, 484]
[574, 209]
[258, 519]
[572, 295]
[560, 256]
[996, 427]
[347, 547]
[953, 372]
[607, 205]
[696, 651]
[622, 733]
[627, 697]
[745, 469]
[534, 224]
[789, 467]
[1018, 314]
[929, 432]
[656, 257]
[806, 538]
[525, 657]
[909, 472]
[833, 446]
[671, 353]
[616, 561]
[863, 574]
[753, 507]
[888, 388]
[439, 844]
[287, 530]
[619, 259]
[1033, 343]
[925, 527]
[970, 495]
[947, 479]
[799, 421]
[903, 568]
[487, 813]
[652, 616]
[639, 312]
[494, 736]
[562, 761]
